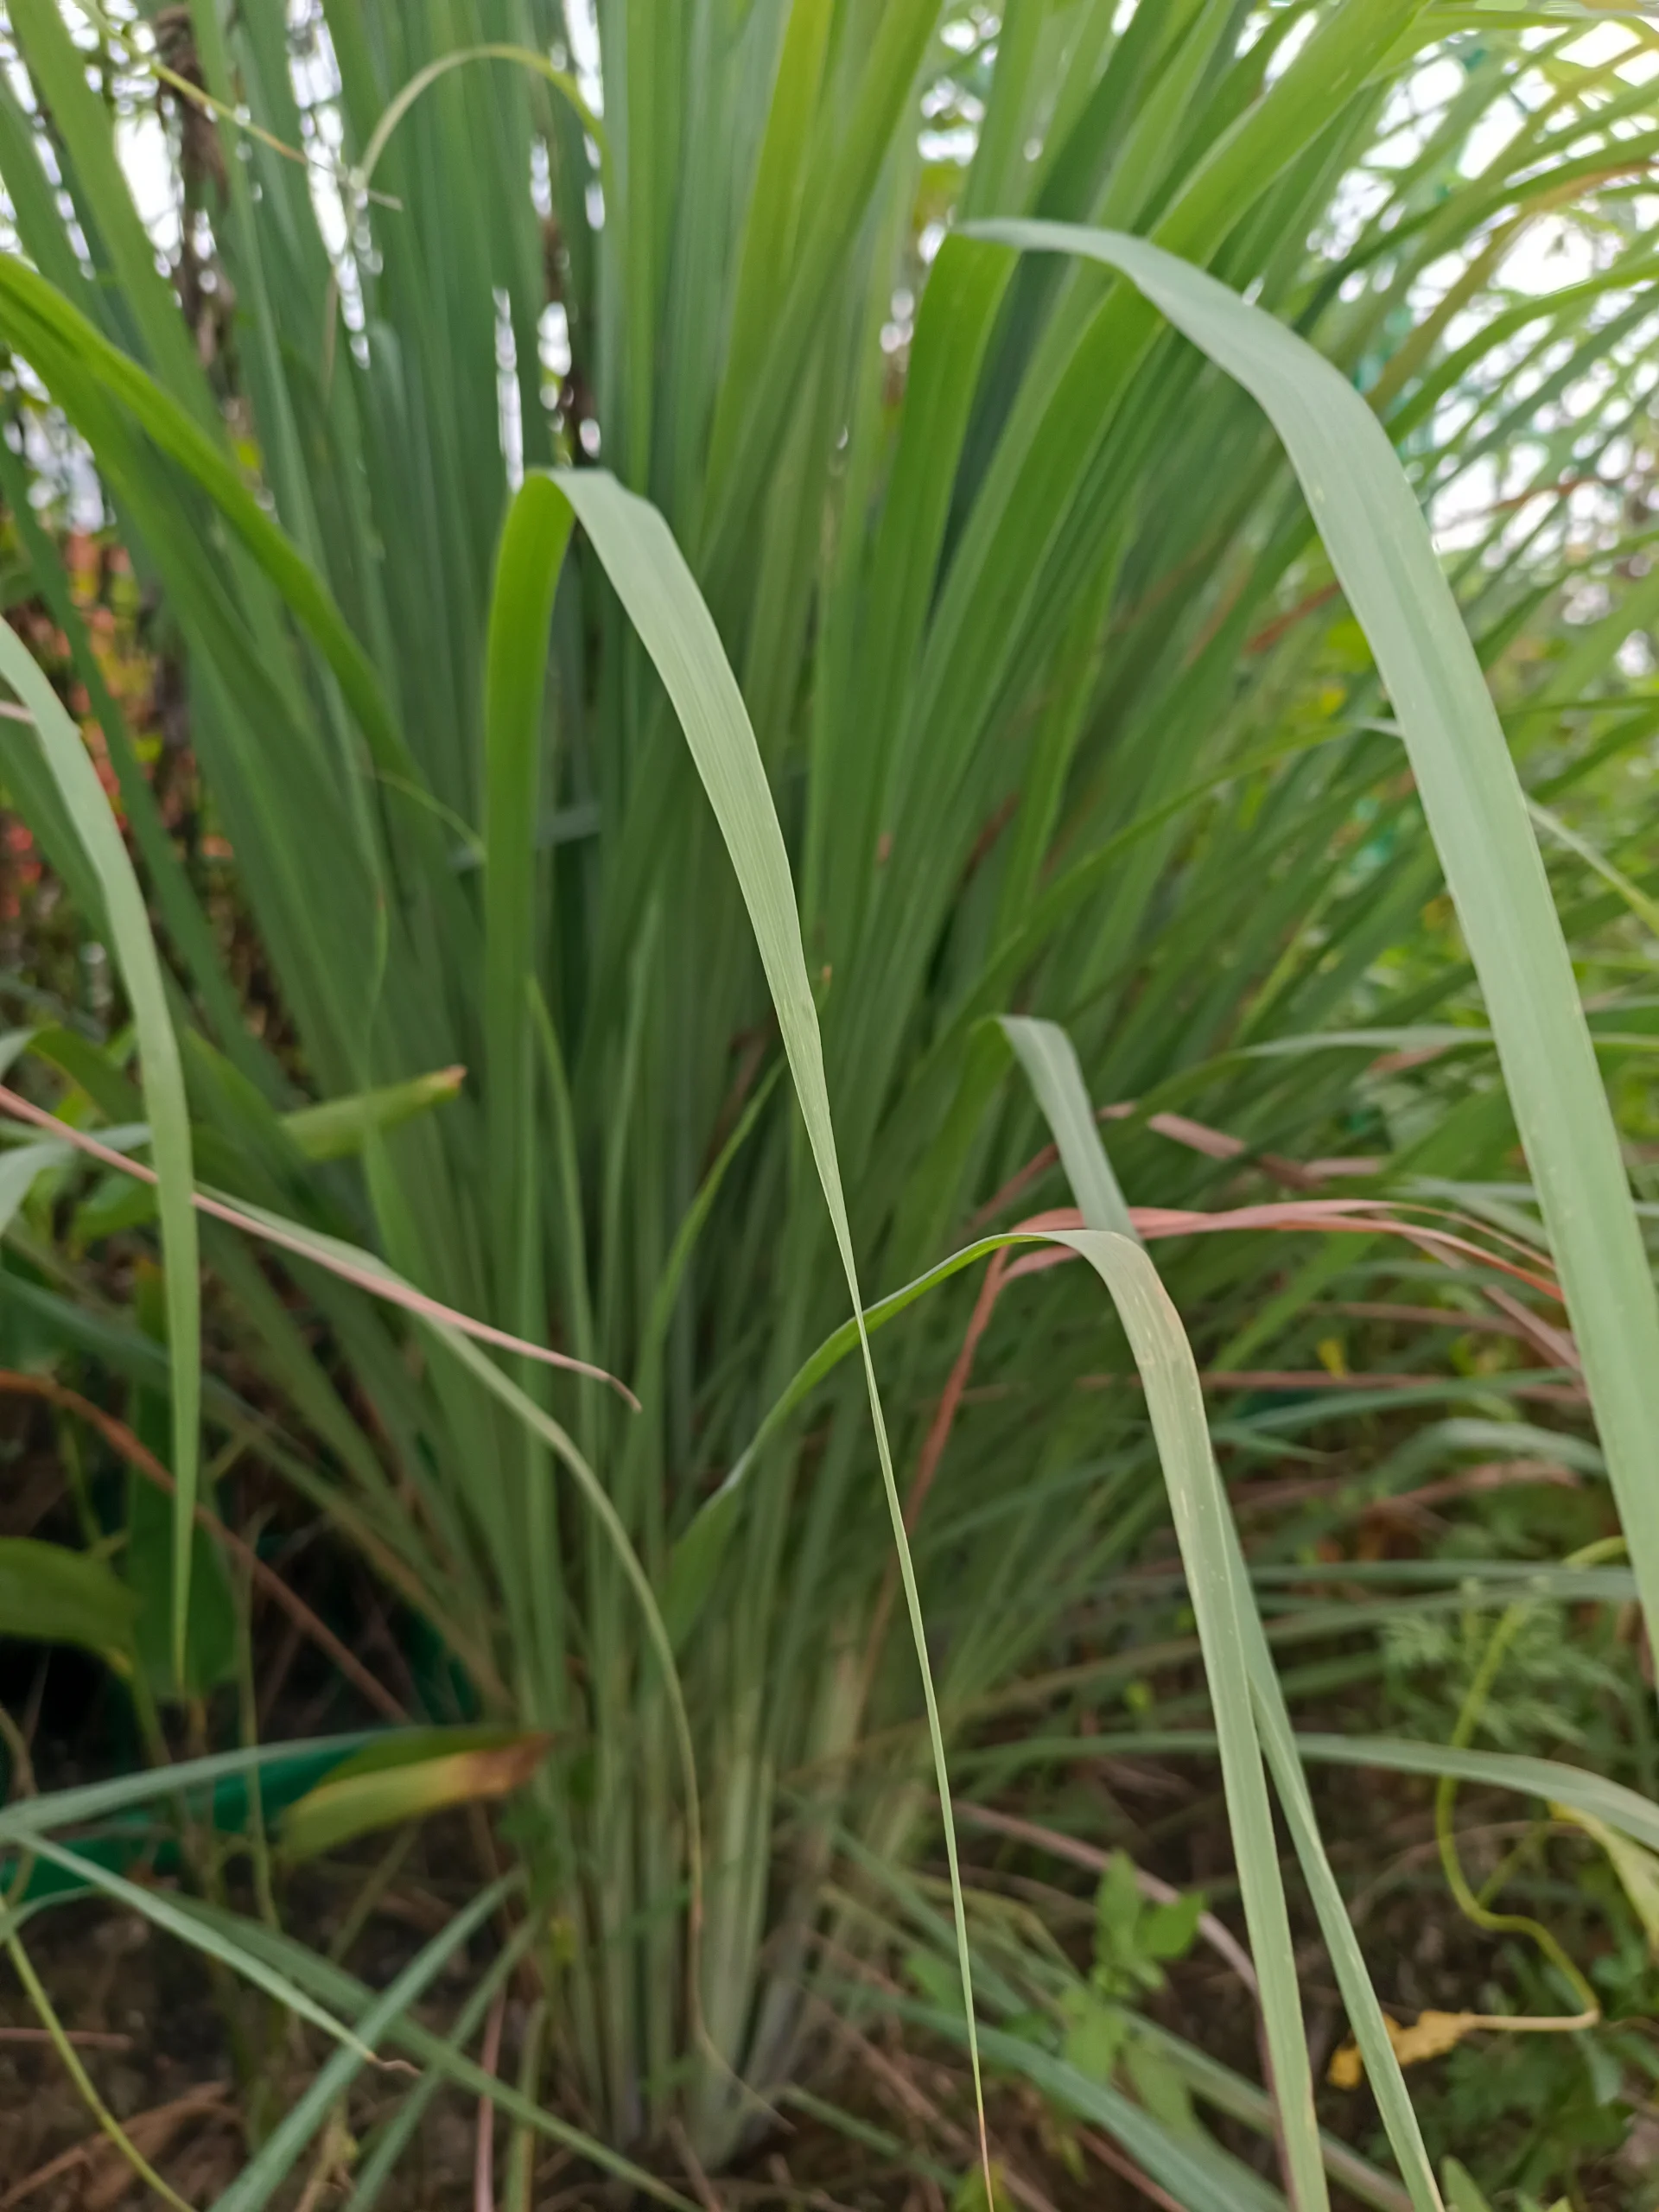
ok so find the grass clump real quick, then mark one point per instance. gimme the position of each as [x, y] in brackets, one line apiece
[697, 594]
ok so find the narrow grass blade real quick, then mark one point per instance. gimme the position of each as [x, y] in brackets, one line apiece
[1645, 909]
[527, 568]
[162, 1075]
[1200, 2184]
[649, 576]
[19, 1170]
[337, 1128]
[1551, 1780]
[164, 1912]
[524, 56]
[391, 2141]
[99, 1801]
[1175, 1404]
[1050, 1060]
[1250, 1710]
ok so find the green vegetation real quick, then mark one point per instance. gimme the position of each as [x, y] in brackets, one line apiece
[929, 645]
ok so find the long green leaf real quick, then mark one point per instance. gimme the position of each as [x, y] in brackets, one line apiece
[1623, 1809]
[652, 579]
[162, 1075]
[1213, 2183]
[166, 1913]
[527, 564]
[99, 1801]
[1175, 1404]
[1250, 1717]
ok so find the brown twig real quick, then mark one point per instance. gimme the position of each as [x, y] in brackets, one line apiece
[1493, 1474]
[1109, 2155]
[701, 2184]
[155, 2125]
[484, 2150]
[87, 2039]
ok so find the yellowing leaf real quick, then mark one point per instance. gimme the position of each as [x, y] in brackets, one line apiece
[1636, 1868]
[1347, 2068]
[1432, 2034]
[341, 1126]
[412, 1775]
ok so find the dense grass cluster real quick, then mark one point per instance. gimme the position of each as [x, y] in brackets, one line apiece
[716, 553]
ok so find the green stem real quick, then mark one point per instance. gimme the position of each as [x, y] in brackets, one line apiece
[1474, 1908]
[83, 2081]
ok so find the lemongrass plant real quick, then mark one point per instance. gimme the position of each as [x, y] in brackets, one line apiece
[1040, 672]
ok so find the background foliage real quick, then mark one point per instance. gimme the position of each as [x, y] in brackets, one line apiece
[1061, 712]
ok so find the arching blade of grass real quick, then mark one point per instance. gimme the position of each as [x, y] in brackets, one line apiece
[1645, 909]
[696, 1558]
[1050, 1060]
[1620, 1807]
[1235, 1660]
[1175, 1404]
[1243, 1689]
[1380, 547]
[662, 599]
[364, 1270]
[127, 924]
[523, 56]
[170, 1914]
